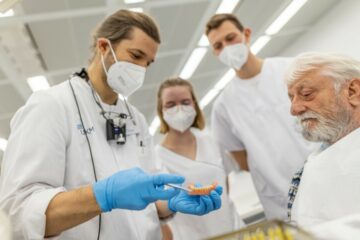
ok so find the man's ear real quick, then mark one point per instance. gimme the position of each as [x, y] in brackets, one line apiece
[102, 45]
[247, 33]
[354, 92]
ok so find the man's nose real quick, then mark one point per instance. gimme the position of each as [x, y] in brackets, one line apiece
[297, 108]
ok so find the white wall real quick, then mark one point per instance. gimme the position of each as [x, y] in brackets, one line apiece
[337, 31]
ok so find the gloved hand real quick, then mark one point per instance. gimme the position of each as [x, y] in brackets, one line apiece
[133, 189]
[196, 205]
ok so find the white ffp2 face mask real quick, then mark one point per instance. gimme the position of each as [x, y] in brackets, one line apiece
[124, 77]
[180, 117]
[234, 56]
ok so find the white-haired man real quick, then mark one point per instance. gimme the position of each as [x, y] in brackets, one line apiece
[325, 96]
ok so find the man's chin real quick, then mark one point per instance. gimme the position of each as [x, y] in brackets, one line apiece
[311, 136]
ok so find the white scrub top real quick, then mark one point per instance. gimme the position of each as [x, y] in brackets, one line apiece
[47, 153]
[254, 115]
[205, 169]
[330, 183]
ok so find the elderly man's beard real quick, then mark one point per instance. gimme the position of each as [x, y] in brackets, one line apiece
[330, 125]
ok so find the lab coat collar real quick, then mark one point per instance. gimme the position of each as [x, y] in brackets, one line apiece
[118, 107]
[343, 143]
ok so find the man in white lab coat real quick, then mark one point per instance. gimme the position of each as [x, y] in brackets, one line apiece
[79, 157]
[251, 118]
[325, 97]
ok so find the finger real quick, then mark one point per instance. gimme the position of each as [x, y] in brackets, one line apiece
[209, 205]
[201, 208]
[216, 199]
[162, 194]
[161, 179]
[219, 190]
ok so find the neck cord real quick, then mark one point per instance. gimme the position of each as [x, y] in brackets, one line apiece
[103, 112]
[89, 145]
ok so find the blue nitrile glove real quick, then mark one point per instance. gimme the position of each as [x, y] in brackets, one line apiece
[196, 205]
[133, 189]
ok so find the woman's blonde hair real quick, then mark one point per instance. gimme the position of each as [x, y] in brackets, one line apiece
[199, 121]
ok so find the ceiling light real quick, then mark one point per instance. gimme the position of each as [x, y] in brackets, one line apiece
[133, 1]
[136, 10]
[203, 42]
[259, 44]
[228, 76]
[154, 125]
[193, 62]
[285, 16]
[8, 13]
[6, 5]
[227, 6]
[3, 144]
[208, 98]
[38, 83]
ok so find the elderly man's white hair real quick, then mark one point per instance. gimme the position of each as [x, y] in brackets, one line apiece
[338, 67]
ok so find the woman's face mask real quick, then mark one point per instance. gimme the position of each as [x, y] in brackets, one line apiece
[124, 77]
[180, 117]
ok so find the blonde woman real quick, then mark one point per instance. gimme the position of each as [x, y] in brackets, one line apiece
[189, 151]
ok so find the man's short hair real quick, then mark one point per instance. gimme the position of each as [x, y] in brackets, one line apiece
[121, 24]
[216, 20]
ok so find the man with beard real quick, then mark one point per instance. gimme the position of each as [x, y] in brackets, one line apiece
[324, 90]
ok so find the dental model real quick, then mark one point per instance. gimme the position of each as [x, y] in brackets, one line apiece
[201, 190]
[193, 190]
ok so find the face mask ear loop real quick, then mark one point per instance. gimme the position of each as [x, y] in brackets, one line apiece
[112, 50]
[103, 63]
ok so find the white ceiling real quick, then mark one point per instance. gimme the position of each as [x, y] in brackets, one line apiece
[53, 38]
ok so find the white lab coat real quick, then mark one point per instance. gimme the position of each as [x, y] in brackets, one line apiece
[330, 183]
[48, 154]
[5, 227]
[205, 169]
[345, 228]
[254, 115]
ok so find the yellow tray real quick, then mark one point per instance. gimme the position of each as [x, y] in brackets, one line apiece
[267, 230]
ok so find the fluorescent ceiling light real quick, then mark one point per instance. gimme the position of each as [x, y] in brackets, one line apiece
[8, 13]
[136, 10]
[38, 83]
[203, 42]
[259, 44]
[3, 144]
[208, 98]
[133, 1]
[154, 125]
[193, 62]
[285, 16]
[228, 76]
[6, 5]
[227, 6]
